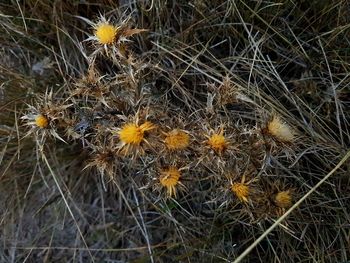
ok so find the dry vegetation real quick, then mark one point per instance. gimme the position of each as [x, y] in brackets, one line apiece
[174, 131]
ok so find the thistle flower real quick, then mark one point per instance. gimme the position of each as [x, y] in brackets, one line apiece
[41, 121]
[241, 190]
[35, 119]
[218, 142]
[105, 33]
[169, 179]
[132, 133]
[109, 36]
[280, 130]
[177, 139]
[40, 125]
[283, 199]
[44, 118]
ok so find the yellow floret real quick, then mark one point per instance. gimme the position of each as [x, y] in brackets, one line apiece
[280, 130]
[283, 199]
[170, 178]
[177, 140]
[41, 121]
[218, 142]
[241, 190]
[134, 134]
[106, 33]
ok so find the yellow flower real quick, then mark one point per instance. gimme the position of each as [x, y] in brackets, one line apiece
[280, 130]
[218, 142]
[283, 199]
[105, 33]
[241, 190]
[41, 121]
[177, 140]
[169, 179]
[134, 134]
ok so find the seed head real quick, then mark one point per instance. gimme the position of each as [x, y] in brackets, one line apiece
[283, 199]
[134, 134]
[280, 130]
[241, 190]
[177, 140]
[105, 33]
[41, 121]
[169, 178]
[218, 142]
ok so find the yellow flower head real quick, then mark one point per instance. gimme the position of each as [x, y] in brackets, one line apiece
[169, 178]
[241, 190]
[280, 130]
[283, 199]
[105, 33]
[134, 134]
[218, 142]
[177, 140]
[41, 121]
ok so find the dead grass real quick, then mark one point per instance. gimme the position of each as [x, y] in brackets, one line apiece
[74, 192]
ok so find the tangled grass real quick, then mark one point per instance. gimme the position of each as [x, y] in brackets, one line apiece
[174, 131]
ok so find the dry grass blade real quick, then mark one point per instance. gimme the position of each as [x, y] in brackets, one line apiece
[67, 205]
[290, 210]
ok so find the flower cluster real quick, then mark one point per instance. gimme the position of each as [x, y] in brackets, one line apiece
[100, 112]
